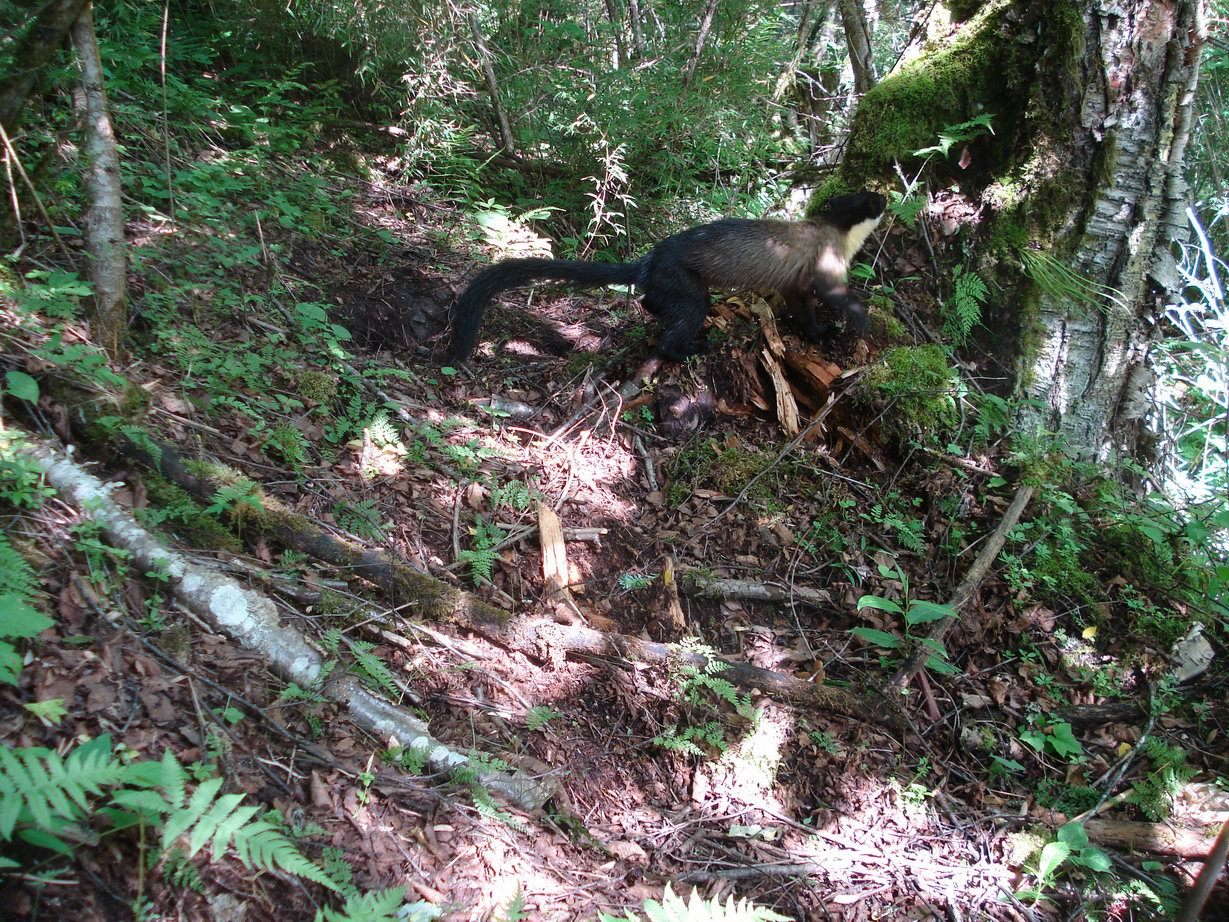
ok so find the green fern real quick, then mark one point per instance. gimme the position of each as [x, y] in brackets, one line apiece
[289, 444]
[380, 906]
[697, 909]
[373, 670]
[482, 556]
[962, 311]
[16, 575]
[17, 620]
[209, 819]
[43, 793]
[383, 433]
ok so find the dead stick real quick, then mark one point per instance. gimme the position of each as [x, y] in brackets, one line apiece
[981, 566]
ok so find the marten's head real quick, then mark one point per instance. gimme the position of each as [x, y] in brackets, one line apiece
[855, 215]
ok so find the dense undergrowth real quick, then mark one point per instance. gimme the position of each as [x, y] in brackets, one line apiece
[250, 173]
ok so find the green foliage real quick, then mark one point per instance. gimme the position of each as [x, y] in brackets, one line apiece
[21, 480]
[372, 670]
[914, 613]
[993, 416]
[1053, 736]
[1062, 283]
[1154, 793]
[538, 717]
[962, 310]
[1070, 846]
[704, 690]
[697, 909]
[958, 134]
[242, 493]
[380, 906]
[286, 442]
[915, 390]
[515, 494]
[17, 578]
[360, 518]
[482, 556]
[893, 514]
[18, 621]
[632, 582]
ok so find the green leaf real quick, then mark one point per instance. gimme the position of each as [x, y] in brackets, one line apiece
[17, 619]
[21, 385]
[923, 612]
[1052, 856]
[876, 637]
[1074, 835]
[875, 601]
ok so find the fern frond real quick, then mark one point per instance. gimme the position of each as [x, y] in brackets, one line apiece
[374, 668]
[16, 574]
[376, 906]
[40, 787]
[262, 847]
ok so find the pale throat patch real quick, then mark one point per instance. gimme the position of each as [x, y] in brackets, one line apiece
[857, 235]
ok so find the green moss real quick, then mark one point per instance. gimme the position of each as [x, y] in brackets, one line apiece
[169, 503]
[915, 389]
[703, 464]
[134, 403]
[317, 386]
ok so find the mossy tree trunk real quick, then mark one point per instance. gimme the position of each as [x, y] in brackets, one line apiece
[1070, 208]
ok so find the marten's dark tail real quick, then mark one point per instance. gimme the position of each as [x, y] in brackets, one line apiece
[514, 273]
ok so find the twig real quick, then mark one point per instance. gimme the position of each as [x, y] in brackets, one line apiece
[977, 572]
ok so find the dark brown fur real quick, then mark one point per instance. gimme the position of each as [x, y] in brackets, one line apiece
[800, 259]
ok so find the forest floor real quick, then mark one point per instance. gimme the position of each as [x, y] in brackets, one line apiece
[663, 775]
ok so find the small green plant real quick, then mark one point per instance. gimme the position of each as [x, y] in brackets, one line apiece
[360, 518]
[1061, 282]
[101, 558]
[50, 711]
[16, 575]
[18, 621]
[914, 612]
[962, 310]
[909, 531]
[21, 481]
[482, 556]
[515, 494]
[243, 493]
[630, 582]
[1055, 737]
[695, 740]
[1070, 846]
[952, 135]
[538, 717]
[1154, 793]
[286, 442]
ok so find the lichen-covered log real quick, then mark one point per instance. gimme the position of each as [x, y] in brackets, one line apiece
[252, 620]
[434, 600]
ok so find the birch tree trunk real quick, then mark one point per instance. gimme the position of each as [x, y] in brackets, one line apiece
[1070, 207]
[104, 216]
[1090, 372]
